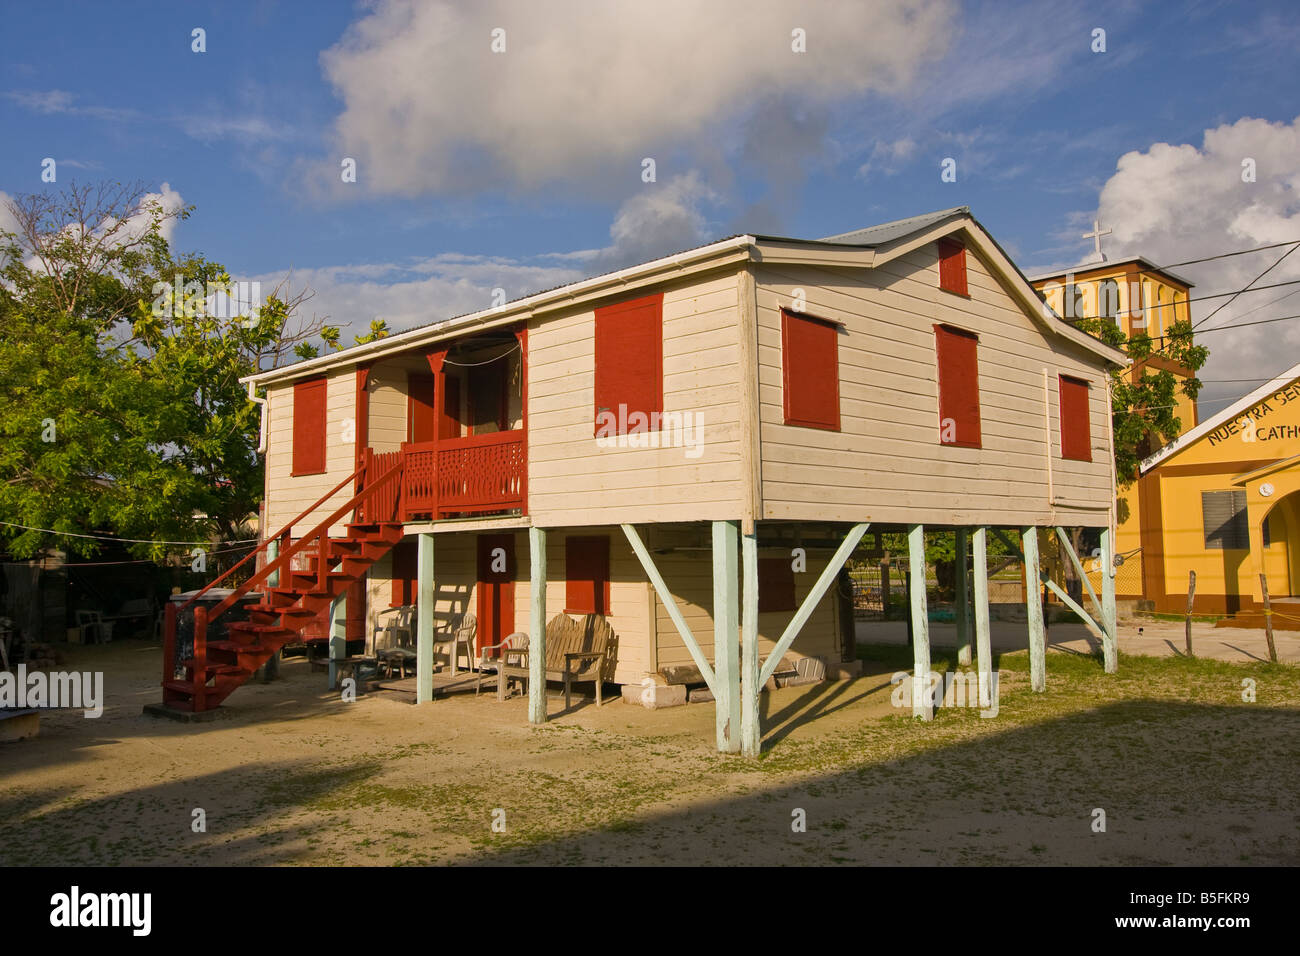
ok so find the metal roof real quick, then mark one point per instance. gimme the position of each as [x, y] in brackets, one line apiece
[887, 232]
[1146, 264]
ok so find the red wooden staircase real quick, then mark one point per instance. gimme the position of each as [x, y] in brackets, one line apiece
[215, 668]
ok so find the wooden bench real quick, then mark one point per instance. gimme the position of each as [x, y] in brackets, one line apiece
[576, 651]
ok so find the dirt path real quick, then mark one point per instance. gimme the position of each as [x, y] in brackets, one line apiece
[288, 774]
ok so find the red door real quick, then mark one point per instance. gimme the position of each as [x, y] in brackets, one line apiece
[450, 426]
[421, 412]
[496, 589]
[420, 408]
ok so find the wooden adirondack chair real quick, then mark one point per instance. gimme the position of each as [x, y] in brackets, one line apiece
[576, 651]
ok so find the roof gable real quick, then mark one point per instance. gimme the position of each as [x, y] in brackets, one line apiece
[1213, 423]
[863, 248]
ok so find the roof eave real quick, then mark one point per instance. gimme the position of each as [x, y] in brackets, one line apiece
[682, 263]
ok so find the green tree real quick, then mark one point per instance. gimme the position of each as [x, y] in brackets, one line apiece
[121, 410]
[1143, 406]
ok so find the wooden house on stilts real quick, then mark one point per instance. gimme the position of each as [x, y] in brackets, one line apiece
[650, 445]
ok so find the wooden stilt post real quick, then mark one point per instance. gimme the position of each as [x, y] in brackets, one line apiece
[961, 597]
[1110, 623]
[1034, 609]
[809, 604]
[338, 637]
[1268, 619]
[537, 625]
[1187, 621]
[751, 736]
[424, 619]
[983, 648]
[726, 634]
[922, 703]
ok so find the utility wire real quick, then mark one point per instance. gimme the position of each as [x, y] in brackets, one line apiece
[102, 537]
[1247, 289]
[1088, 267]
[1241, 325]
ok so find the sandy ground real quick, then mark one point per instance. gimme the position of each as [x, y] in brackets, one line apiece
[289, 774]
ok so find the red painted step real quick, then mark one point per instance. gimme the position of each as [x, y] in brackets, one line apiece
[280, 617]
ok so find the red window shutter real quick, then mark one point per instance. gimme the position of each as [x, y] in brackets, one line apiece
[810, 371]
[406, 559]
[629, 364]
[309, 427]
[959, 386]
[586, 575]
[952, 266]
[1076, 429]
[775, 585]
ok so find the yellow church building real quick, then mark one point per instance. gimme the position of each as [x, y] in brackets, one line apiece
[1223, 500]
[1139, 296]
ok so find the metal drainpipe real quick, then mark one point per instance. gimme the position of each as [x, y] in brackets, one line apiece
[261, 427]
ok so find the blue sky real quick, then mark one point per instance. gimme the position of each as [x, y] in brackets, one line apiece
[521, 169]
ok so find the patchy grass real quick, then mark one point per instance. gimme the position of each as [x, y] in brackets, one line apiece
[1184, 767]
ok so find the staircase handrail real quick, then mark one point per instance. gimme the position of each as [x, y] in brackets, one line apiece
[275, 537]
[282, 560]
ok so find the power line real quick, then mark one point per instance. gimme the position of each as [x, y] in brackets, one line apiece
[72, 565]
[103, 537]
[1242, 325]
[1092, 267]
[1225, 255]
[1248, 285]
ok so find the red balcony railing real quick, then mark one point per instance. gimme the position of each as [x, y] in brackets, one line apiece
[480, 474]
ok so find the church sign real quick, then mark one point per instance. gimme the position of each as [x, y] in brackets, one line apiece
[1249, 425]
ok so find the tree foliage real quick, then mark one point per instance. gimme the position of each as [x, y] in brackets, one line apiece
[121, 410]
[1143, 404]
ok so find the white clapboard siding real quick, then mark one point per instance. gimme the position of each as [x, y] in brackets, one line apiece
[388, 390]
[456, 590]
[689, 575]
[290, 495]
[886, 462]
[573, 481]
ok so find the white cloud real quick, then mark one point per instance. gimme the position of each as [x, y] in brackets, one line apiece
[661, 219]
[124, 232]
[167, 199]
[584, 91]
[886, 156]
[1176, 202]
[41, 101]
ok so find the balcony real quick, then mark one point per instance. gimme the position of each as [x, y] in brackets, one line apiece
[450, 478]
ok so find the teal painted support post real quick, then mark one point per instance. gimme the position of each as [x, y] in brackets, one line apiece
[726, 634]
[1068, 547]
[751, 735]
[670, 605]
[1077, 608]
[273, 552]
[424, 591]
[983, 648]
[537, 625]
[338, 636]
[1110, 644]
[1034, 610]
[810, 602]
[962, 598]
[922, 702]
